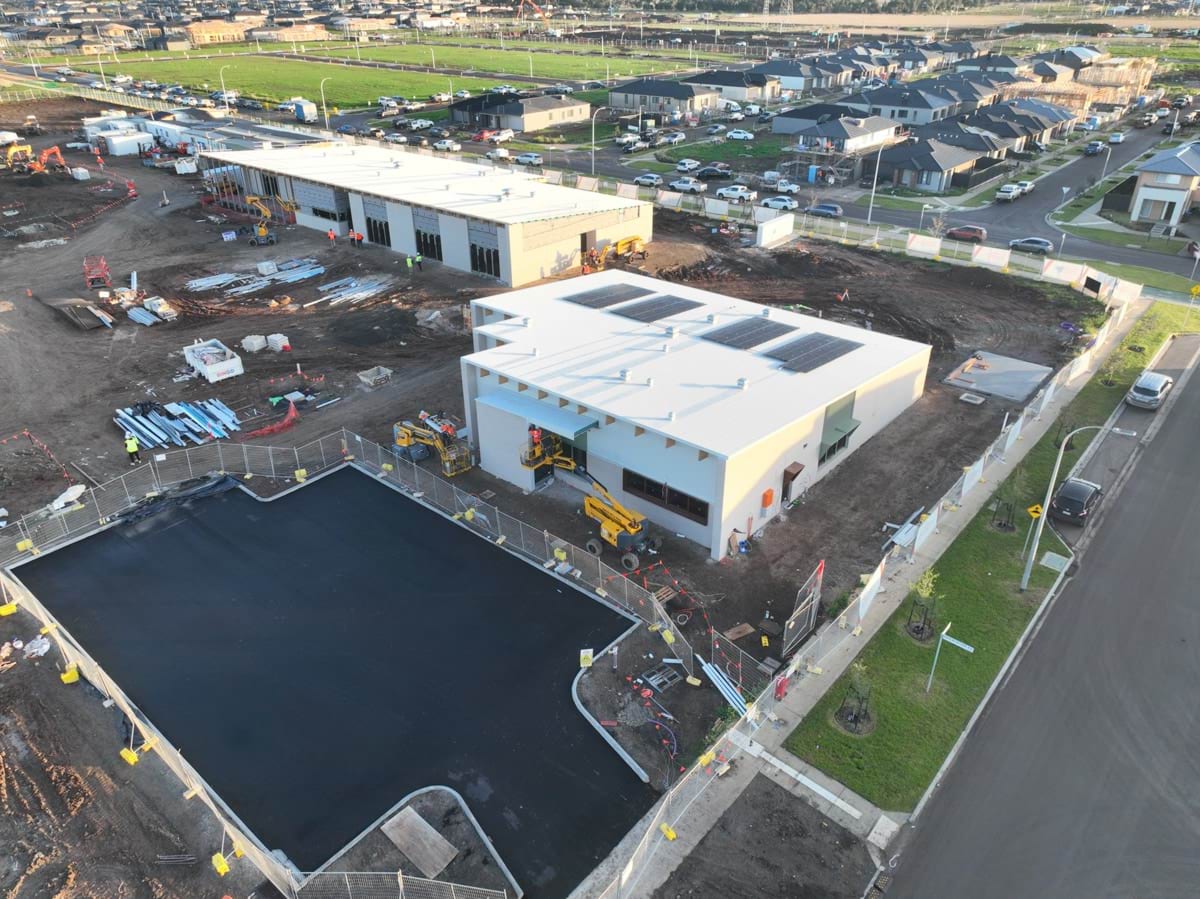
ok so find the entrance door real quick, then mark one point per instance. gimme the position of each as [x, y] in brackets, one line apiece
[583, 244]
[789, 477]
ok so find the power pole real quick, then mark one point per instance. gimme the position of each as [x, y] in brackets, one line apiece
[785, 8]
[766, 7]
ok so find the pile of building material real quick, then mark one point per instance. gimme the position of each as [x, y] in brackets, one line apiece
[236, 284]
[157, 425]
[352, 290]
[143, 316]
[212, 360]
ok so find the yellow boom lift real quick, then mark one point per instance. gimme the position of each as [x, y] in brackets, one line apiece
[621, 528]
[263, 235]
[438, 433]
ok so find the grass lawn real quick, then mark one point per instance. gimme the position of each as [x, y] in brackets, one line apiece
[76, 61]
[883, 201]
[570, 47]
[267, 78]
[985, 196]
[1126, 239]
[569, 66]
[977, 591]
[764, 146]
[1148, 276]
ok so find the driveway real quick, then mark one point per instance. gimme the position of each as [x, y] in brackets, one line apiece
[1082, 779]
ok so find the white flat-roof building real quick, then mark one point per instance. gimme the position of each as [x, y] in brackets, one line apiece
[705, 412]
[496, 221]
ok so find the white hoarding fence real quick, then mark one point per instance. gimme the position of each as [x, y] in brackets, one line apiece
[668, 199]
[716, 208]
[774, 231]
[628, 191]
[972, 475]
[870, 589]
[552, 176]
[587, 182]
[992, 257]
[1062, 272]
[1125, 292]
[766, 214]
[924, 245]
[927, 527]
[1013, 435]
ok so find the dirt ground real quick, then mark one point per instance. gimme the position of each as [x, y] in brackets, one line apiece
[62, 384]
[473, 866]
[76, 821]
[770, 843]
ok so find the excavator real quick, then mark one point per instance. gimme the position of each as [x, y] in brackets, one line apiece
[49, 155]
[439, 433]
[533, 9]
[263, 236]
[621, 528]
[18, 156]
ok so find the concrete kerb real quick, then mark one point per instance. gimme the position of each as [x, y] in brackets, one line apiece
[596, 725]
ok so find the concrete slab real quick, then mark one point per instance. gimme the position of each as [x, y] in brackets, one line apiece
[424, 846]
[883, 832]
[996, 375]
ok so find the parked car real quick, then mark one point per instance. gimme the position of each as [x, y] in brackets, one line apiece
[787, 204]
[649, 179]
[1149, 390]
[448, 145]
[501, 136]
[766, 117]
[737, 117]
[1180, 103]
[483, 135]
[463, 94]
[713, 172]
[967, 233]
[1093, 148]
[346, 129]
[687, 165]
[396, 138]
[1008, 192]
[1117, 137]
[1026, 187]
[626, 138]
[1039, 246]
[636, 147]
[738, 193]
[529, 159]
[376, 133]
[1145, 121]
[824, 210]
[563, 89]
[715, 129]
[688, 185]
[740, 134]
[675, 137]
[1075, 500]
[1162, 112]
[420, 124]
[440, 98]
[1169, 128]
[417, 140]
[412, 106]
[497, 154]
[784, 186]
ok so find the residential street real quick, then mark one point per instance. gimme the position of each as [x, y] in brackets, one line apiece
[1081, 780]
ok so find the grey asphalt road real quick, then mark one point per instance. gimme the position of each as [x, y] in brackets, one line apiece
[1082, 778]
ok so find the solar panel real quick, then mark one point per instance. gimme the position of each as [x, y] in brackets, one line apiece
[748, 333]
[658, 307]
[603, 297]
[811, 351]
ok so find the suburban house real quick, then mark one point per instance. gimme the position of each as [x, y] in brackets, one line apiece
[301, 31]
[919, 60]
[216, 32]
[1050, 72]
[925, 164]
[953, 51]
[741, 87]
[1167, 185]
[794, 74]
[991, 62]
[518, 113]
[909, 106]
[849, 135]
[652, 95]
[966, 137]
[796, 120]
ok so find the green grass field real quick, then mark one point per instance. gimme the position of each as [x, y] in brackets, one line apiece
[85, 62]
[578, 48]
[764, 146]
[977, 589]
[575, 67]
[266, 78]
[1148, 276]
[1137, 239]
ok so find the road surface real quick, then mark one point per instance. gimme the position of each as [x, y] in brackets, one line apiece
[1082, 778]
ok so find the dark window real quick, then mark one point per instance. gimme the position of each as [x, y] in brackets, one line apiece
[485, 260]
[668, 497]
[429, 244]
[270, 185]
[332, 216]
[379, 232]
[834, 448]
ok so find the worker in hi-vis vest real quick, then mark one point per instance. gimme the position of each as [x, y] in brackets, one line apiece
[131, 447]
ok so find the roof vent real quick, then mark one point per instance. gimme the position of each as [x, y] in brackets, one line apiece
[666, 347]
[626, 375]
[534, 352]
[649, 382]
[670, 416]
[711, 318]
[670, 332]
[525, 321]
[743, 383]
[766, 313]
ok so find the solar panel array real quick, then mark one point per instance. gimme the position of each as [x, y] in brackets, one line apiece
[659, 307]
[603, 297]
[811, 351]
[748, 333]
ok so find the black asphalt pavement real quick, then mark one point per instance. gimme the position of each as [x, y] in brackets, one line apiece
[1082, 778]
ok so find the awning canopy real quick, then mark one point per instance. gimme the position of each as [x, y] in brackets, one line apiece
[557, 420]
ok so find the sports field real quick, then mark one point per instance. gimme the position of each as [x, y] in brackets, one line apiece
[268, 78]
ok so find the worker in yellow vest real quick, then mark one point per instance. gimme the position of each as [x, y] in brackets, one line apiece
[134, 450]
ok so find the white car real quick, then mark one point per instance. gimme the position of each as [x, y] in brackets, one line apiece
[739, 193]
[420, 124]
[413, 106]
[622, 140]
[737, 117]
[787, 187]
[675, 137]
[648, 180]
[462, 95]
[447, 144]
[440, 98]
[497, 154]
[1117, 137]
[1026, 187]
[97, 85]
[740, 134]
[787, 204]
[687, 165]
[529, 159]
[688, 185]
[396, 138]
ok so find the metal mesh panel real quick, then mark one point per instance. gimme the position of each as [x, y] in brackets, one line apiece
[741, 667]
[204, 460]
[337, 885]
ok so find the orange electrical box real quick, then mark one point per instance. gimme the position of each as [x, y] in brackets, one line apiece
[768, 498]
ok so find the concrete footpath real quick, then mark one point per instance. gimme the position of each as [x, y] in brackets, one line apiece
[765, 753]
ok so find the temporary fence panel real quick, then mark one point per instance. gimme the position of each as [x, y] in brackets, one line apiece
[716, 208]
[923, 245]
[804, 613]
[870, 589]
[1126, 292]
[586, 182]
[628, 191]
[380, 885]
[1080, 366]
[668, 199]
[552, 176]
[1013, 434]
[1062, 272]
[972, 475]
[927, 527]
[992, 257]
[772, 232]
[767, 214]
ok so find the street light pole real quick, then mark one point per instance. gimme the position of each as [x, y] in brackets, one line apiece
[1061, 244]
[530, 63]
[921, 222]
[432, 59]
[324, 111]
[874, 182]
[1107, 156]
[1041, 521]
[594, 114]
[224, 96]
